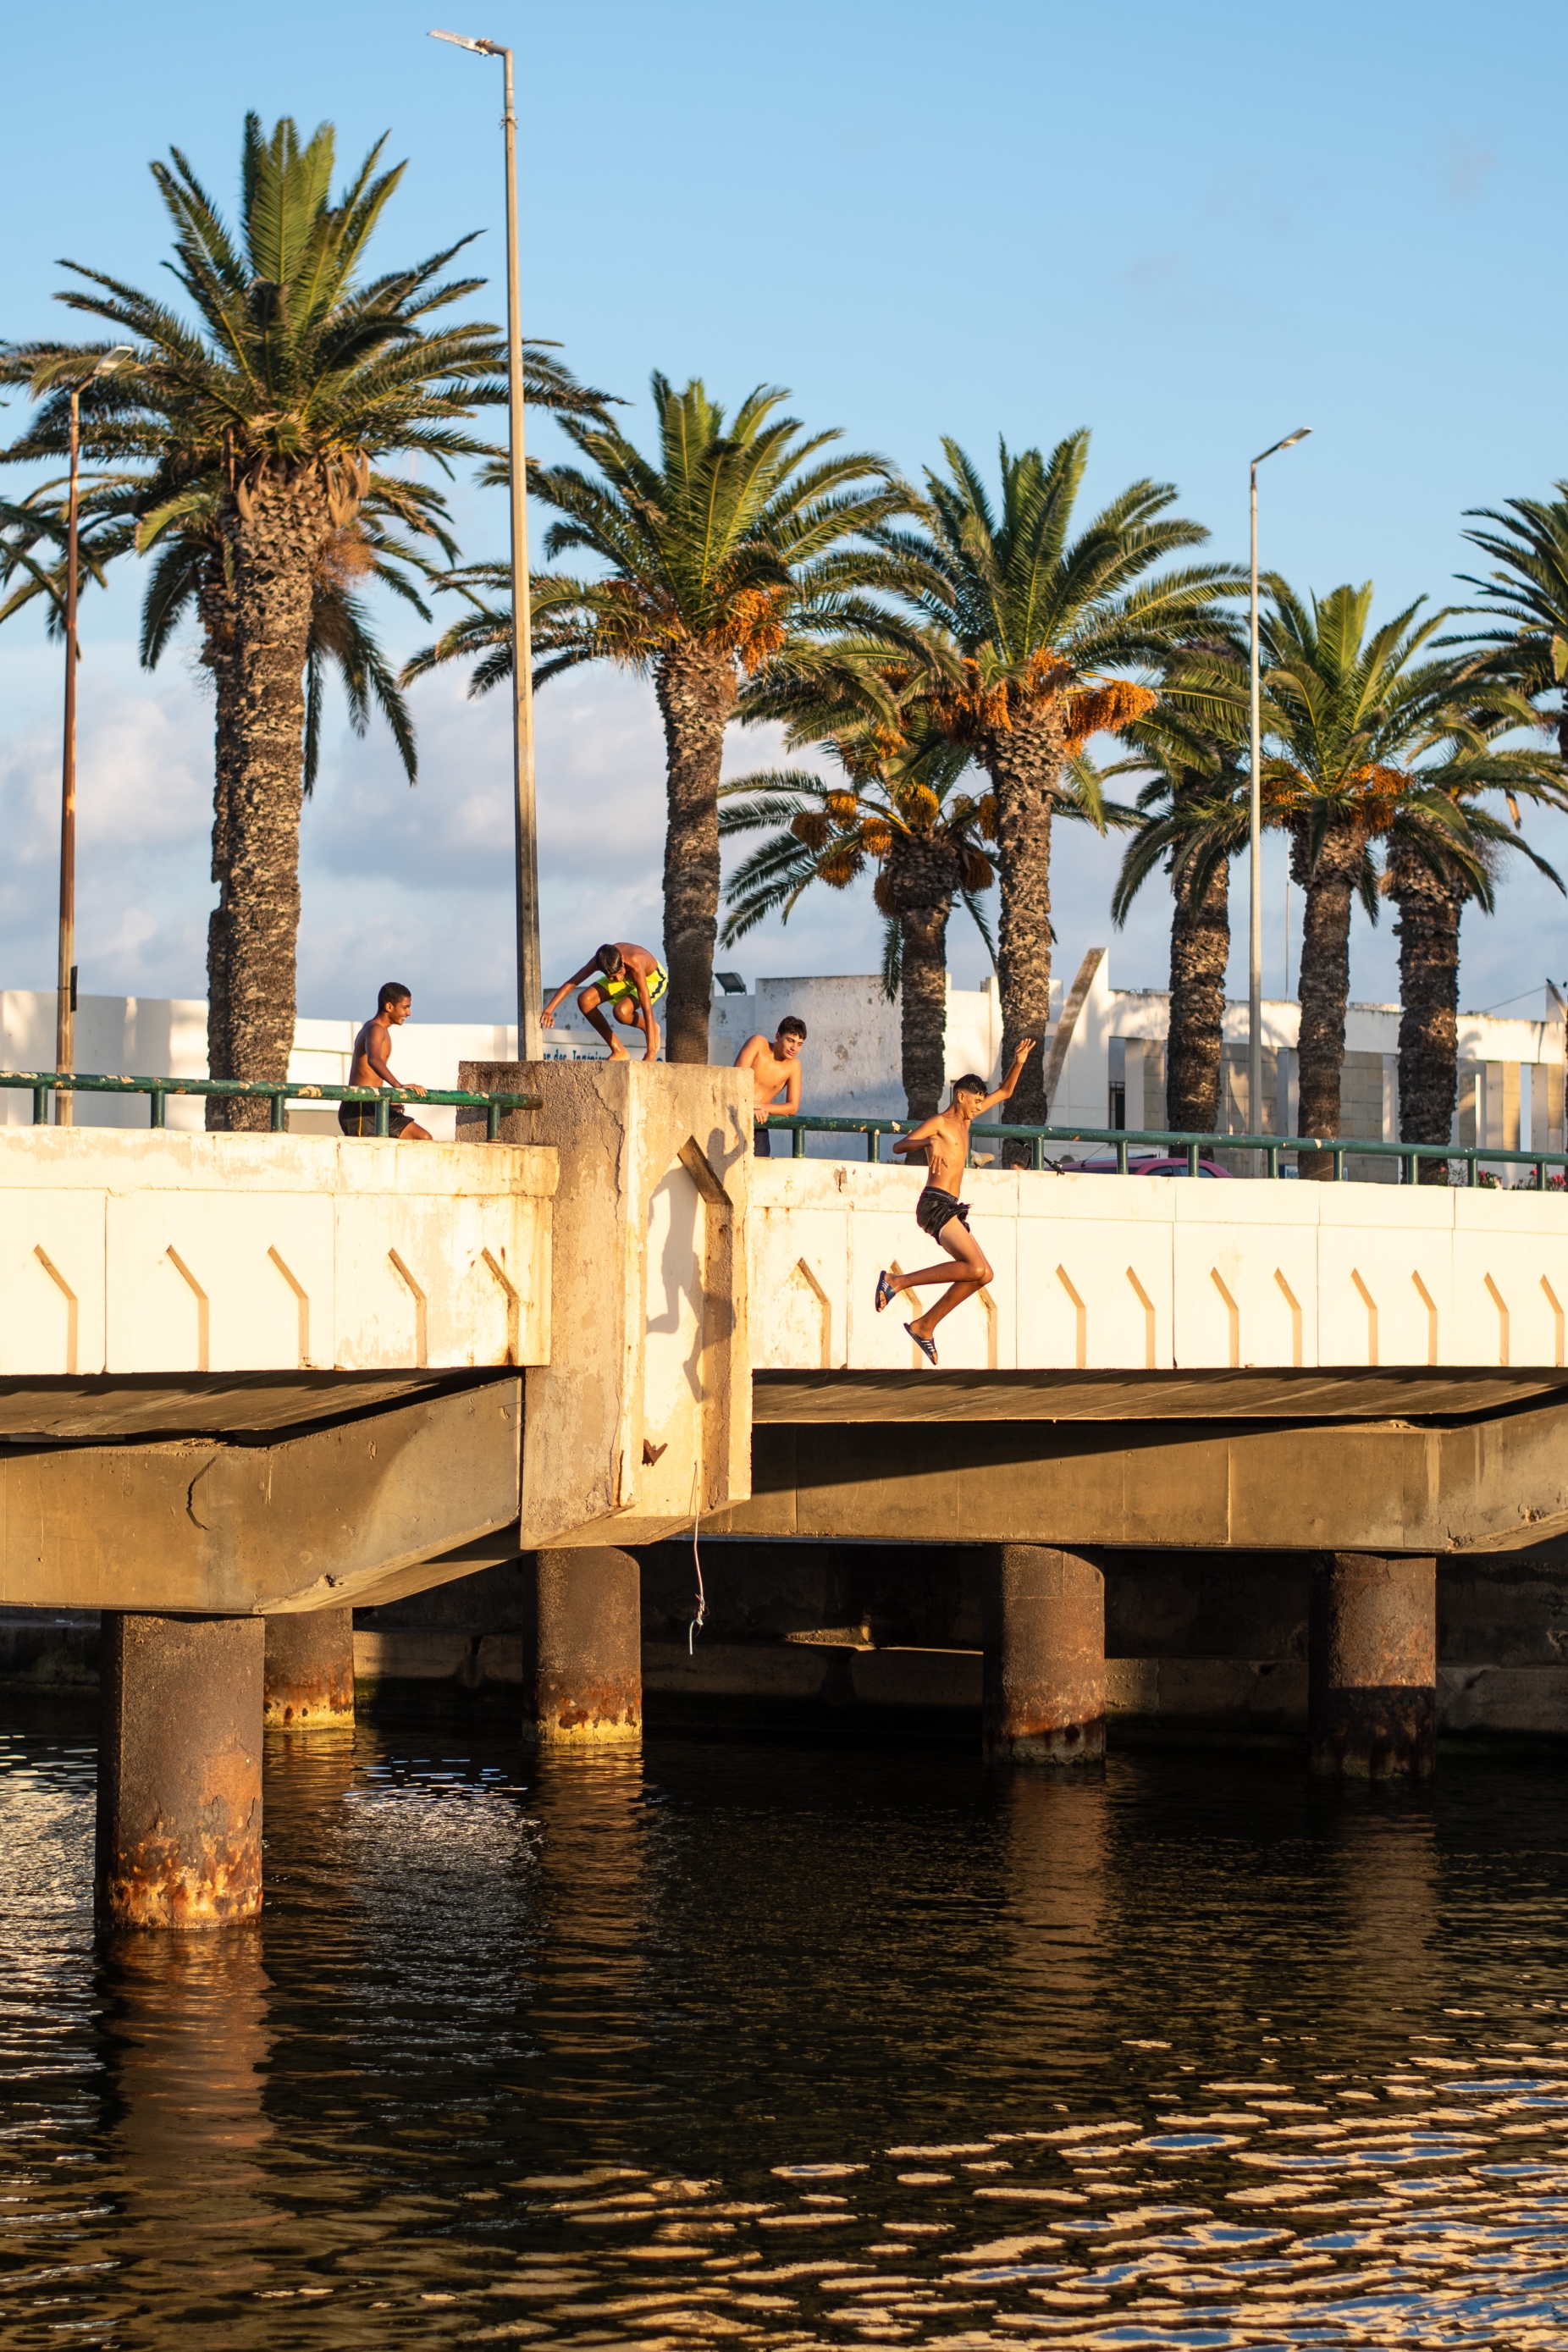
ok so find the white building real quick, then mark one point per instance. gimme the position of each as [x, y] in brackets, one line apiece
[1110, 1065]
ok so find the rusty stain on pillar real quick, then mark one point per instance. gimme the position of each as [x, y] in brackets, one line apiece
[179, 1771]
[1371, 1692]
[1043, 1695]
[583, 1655]
[309, 1671]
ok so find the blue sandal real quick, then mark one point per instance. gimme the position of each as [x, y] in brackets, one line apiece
[885, 1294]
[926, 1346]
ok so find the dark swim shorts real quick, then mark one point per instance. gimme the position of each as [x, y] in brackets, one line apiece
[935, 1209]
[359, 1119]
[762, 1143]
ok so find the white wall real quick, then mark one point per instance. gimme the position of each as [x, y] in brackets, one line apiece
[852, 1060]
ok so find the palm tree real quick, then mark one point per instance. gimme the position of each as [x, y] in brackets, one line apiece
[1432, 892]
[1366, 742]
[728, 550]
[258, 430]
[898, 811]
[1040, 622]
[1190, 810]
[1527, 603]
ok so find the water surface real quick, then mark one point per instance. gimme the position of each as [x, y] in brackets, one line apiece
[773, 2047]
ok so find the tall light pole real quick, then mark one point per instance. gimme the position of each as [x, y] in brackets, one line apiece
[1254, 838]
[530, 981]
[65, 982]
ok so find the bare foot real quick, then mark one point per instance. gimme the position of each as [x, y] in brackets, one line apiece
[619, 1053]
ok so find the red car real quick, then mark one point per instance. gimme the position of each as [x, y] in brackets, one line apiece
[1139, 1164]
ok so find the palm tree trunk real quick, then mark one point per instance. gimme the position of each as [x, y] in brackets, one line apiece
[1325, 987]
[1429, 910]
[1025, 765]
[1200, 950]
[921, 878]
[696, 692]
[275, 544]
[216, 609]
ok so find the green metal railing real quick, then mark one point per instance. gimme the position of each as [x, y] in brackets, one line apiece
[43, 1083]
[1166, 1144]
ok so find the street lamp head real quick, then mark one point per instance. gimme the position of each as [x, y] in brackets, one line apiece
[461, 41]
[1289, 443]
[112, 361]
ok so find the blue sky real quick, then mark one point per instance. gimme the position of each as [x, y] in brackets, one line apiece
[1190, 230]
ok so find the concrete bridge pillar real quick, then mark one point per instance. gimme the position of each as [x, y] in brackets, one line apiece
[310, 1682]
[1371, 1692]
[179, 1771]
[1043, 1693]
[582, 1670]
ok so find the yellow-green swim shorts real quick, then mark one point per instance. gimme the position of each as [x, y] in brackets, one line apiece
[612, 990]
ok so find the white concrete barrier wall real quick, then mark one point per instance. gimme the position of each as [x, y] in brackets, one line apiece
[1109, 1273]
[217, 1253]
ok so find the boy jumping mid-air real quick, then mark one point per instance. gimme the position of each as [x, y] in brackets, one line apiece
[634, 981]
[773, 1066]
[938, 1212]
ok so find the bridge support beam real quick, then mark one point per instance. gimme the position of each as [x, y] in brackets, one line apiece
[309, 1671]
[1043, 1693]
[582, 1671]
[179, 1773]
[1371, 1692]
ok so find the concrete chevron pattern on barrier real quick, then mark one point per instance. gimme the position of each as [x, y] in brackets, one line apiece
[1138, 1273]
[171, 1253]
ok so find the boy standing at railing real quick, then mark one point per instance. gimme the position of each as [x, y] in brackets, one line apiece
[775, 1068]
[372, 1067]
[938, 1212]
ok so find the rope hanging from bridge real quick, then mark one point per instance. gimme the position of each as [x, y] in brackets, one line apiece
[695, 1627]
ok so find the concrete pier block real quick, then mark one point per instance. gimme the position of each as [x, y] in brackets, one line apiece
[1372, 1691]
[179, 1774]
[583, 1655]
[310, 1682]
[1043, 1691]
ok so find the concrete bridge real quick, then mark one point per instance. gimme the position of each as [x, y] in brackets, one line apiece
[248, 1384]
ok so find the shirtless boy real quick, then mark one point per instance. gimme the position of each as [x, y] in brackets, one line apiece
[938, 1212]
[774, 1067]
[372, 1067]
[634, 981]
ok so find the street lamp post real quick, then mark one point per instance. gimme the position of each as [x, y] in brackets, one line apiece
[530, 981]
[1255, 837]
[64, 981]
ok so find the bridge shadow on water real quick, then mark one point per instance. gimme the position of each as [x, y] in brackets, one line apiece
[790, 2046]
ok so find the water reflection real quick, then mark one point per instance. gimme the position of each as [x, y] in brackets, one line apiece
[785, 2049]
[183, 2043]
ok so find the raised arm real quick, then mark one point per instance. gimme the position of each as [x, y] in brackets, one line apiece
[1024, 1047]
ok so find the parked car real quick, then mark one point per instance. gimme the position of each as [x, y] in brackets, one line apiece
[1139, 1164]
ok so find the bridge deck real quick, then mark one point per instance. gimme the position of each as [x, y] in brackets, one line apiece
[1415, 1392]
